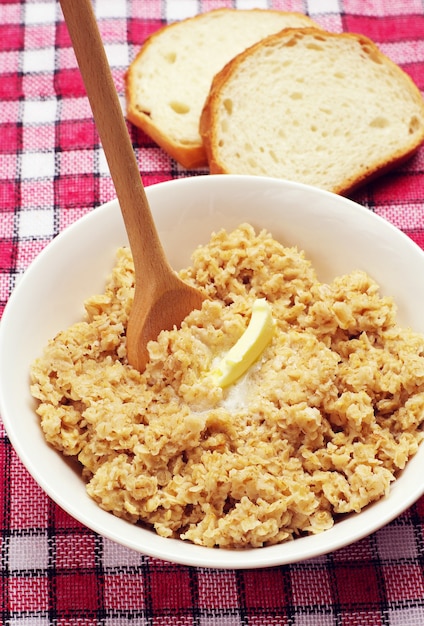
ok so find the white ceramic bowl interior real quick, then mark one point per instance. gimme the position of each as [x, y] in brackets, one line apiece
[337, 234]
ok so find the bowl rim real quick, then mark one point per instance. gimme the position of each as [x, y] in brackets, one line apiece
[172, 549]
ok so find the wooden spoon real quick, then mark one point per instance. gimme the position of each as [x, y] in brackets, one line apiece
[161, 299]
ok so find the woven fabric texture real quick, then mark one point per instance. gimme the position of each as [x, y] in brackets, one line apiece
[53, 171]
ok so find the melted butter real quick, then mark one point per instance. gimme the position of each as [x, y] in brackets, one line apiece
[236, 398]
[248, 348]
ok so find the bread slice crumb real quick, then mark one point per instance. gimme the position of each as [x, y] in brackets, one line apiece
[169, 80]
[329, 110]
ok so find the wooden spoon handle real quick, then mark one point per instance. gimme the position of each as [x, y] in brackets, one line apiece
[90, 53]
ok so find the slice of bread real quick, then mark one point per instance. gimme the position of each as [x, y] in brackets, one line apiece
[169, 80]
[320, 108]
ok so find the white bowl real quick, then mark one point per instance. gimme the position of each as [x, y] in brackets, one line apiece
[337, 234]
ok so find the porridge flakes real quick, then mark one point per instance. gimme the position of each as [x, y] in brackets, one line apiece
[319, 426]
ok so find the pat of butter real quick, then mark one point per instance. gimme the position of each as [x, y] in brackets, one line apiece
[249, 347]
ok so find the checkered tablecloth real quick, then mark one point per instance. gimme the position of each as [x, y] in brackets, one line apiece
[53, 171]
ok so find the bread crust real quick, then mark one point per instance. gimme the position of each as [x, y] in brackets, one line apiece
[209, 125]
[190, 155]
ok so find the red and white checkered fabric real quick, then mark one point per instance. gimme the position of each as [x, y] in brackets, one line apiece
[52, 171]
